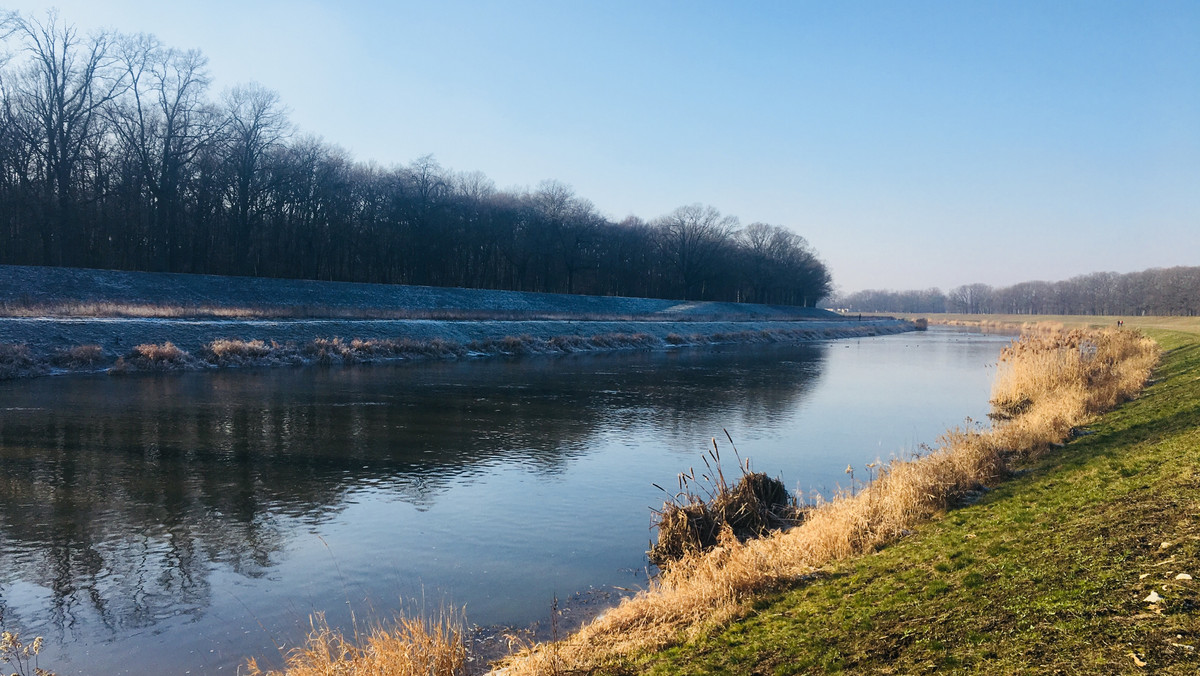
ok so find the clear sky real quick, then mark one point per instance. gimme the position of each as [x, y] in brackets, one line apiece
[914, 144]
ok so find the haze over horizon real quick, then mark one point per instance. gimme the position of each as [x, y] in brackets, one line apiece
[916, 145]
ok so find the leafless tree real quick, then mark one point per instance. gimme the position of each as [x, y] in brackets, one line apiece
[56, 102]
[691, 239]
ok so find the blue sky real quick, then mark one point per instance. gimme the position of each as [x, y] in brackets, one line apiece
[914, 144]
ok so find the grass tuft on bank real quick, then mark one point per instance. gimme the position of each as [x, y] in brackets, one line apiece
[410, 646]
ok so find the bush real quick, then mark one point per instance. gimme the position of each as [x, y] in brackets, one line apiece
[79, 356]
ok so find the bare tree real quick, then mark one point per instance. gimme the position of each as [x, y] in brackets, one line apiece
[59, 97]
[113, 155]
[691, 239]
[163, 121]
[256, 123]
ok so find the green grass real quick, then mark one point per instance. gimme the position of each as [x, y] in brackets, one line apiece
[1045, 574]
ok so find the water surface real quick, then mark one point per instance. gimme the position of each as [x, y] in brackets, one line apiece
[195, 519]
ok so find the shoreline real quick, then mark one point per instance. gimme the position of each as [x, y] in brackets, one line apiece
[1048, 388]
[1071, 565]
[37, 346]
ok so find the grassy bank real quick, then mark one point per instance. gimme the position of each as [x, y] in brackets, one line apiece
[1080, 564]
[1019, 322]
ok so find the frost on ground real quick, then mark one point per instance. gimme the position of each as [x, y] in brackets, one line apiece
[280, 322]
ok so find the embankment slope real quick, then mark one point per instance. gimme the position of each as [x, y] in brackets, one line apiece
[45, 312]
[1086, 562]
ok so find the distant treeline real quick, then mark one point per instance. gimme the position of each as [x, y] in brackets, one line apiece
[113, 154]
[1159, 291]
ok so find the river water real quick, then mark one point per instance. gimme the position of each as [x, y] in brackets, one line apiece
[179, 523]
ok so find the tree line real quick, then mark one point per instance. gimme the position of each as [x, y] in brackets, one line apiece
[1158, 291]
[114, 153]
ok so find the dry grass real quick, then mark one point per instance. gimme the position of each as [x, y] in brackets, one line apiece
[16, 360]
[1066, 378]
[1013, 323]
[410, 647]
[21, 656]
[78, 357]
[708, 510]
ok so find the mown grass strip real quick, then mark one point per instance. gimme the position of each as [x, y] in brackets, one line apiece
[1048, 573]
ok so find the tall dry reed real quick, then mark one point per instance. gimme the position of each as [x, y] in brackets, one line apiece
[411, 646]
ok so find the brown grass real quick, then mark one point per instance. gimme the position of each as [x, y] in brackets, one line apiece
[16, 360]
[77, 357]
[707, 510]
[22, 656]
[154, 357]
[410, 647]
[1015, 323]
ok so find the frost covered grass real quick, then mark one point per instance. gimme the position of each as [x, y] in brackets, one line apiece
[117, 309]
[19, 360]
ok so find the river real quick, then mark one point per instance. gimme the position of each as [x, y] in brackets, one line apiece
[179, 523]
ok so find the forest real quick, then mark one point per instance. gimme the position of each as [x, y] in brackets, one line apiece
[116, 153]
[1158, 291]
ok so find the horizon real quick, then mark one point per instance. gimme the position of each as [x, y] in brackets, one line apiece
[930, 145]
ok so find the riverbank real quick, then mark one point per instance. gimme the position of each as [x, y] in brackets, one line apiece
[62, 320]
[726, 611]
[44, 346]
[1083, 562]
[1017, 323]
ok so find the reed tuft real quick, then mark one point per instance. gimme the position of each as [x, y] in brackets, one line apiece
[411, 646]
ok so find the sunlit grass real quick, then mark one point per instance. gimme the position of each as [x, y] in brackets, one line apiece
[1007, 322]
[409, 646]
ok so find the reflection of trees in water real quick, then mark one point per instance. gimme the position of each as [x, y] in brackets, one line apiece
[121, 495]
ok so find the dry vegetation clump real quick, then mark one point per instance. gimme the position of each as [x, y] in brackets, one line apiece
[77, 357]
[707, 508]
[17, 360]
[568, 343]
[154, 357]
[22, 656]
[410, 647]
[522, 344]
[234, 352]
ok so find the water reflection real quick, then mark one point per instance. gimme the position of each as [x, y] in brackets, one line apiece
[121, 497]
